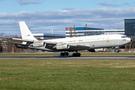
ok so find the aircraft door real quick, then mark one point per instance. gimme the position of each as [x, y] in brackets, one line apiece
[79, 41]
[107, 39]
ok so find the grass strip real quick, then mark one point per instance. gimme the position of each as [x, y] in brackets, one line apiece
[54, 54]
[54, 74]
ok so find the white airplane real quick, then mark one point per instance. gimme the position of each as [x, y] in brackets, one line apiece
[66, 45]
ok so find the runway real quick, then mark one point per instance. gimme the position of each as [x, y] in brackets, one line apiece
[77, 58]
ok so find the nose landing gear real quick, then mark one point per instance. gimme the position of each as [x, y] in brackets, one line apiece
[117, 50]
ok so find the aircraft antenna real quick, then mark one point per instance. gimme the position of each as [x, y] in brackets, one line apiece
[52, 29]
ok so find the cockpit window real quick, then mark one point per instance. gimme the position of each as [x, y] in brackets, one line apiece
[123, 36]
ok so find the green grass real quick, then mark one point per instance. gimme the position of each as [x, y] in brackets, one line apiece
[65, 74]
[108, 54]
[52, 54]
[25, 54]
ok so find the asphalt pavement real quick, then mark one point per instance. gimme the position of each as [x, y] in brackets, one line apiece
[84, 58]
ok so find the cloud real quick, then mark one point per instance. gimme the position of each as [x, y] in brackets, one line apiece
[126, 3]
[40, 22]
[108, 4]
[24, 2]
[68, 8]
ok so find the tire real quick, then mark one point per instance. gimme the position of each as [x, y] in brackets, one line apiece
[76, 54]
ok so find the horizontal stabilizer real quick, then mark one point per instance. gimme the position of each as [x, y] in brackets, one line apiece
[24, 40]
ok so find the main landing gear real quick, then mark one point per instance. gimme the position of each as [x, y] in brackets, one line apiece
[74, 54]
[64, 54]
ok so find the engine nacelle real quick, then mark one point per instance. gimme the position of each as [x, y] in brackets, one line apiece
[38, 44]
[64, 46]
[91, 50]
[96, 50]
[21, 46]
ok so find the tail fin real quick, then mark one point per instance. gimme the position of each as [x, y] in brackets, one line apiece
[25, 32]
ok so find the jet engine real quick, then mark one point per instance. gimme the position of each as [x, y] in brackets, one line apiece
[38, 44]
[91, 50]
[63, 46]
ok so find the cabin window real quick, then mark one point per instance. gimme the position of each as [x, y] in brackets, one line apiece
[123, 36]
[124, 39]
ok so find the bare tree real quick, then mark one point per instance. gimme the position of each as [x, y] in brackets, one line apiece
[1, 45]
[6, 46]
[2, 35]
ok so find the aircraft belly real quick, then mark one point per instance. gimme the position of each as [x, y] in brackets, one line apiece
[77, 48]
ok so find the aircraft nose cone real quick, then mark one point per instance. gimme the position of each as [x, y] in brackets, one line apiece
[129, 40]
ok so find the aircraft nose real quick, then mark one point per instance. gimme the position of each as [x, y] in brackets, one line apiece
[129, 40]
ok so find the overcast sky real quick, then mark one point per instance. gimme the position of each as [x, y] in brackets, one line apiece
[41, 14]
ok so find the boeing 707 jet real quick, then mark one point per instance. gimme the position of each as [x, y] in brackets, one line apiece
[66, 45]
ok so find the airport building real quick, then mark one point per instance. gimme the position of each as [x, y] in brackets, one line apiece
[130, 27]
[80, 31]
[87, 31]
[42, 36]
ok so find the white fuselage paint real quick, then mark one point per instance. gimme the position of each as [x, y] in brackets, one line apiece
[97, 41]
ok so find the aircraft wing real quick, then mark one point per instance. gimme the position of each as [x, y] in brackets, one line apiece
[74, 47]
[16, 43]
[46, 45]
[53, 47]
[41, 48]
[65, 46]
[24, 40]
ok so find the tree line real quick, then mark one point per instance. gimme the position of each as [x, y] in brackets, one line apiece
[6, 46]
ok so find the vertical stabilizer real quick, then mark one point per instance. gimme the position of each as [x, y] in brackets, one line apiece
[25, 32]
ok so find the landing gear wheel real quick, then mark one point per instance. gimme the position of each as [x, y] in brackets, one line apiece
[67, 54]
[64, 54]
[117, 51]
[76, 54]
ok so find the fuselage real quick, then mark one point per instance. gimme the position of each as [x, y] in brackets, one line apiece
[92, 42]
